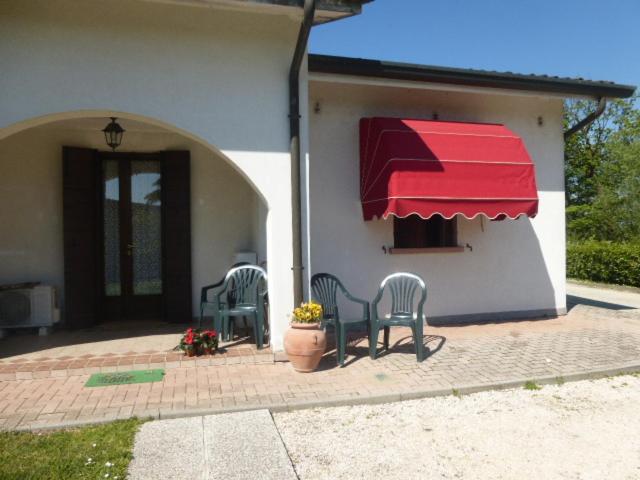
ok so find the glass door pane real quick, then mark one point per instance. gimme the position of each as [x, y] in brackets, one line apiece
[146, 227]
[111, 208]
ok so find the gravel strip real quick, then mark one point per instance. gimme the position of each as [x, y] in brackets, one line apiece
[581, 430]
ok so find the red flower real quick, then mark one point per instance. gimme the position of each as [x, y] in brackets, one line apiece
[210, 333]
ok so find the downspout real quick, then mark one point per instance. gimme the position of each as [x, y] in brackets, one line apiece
[294, 129]
[588, 120]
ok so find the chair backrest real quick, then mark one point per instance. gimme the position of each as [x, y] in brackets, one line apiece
[403, 287]
[246, 283]
[231, 294]
[324, 287]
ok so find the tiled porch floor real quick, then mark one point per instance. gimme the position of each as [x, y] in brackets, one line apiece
[112, 347]
[588, 339]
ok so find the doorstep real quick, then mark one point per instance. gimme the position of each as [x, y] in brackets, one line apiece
[26, 369]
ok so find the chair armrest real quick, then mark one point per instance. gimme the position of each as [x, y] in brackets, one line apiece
[374, 305]
[205, 290]
[364, 303]
[224, 287]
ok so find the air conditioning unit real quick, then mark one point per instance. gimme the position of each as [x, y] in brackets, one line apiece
[29, 307]
[249, 257]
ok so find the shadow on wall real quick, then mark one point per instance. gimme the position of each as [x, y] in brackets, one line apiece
[505, 277]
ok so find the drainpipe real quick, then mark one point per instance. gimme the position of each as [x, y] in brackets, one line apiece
[588, 120]
[294, 129]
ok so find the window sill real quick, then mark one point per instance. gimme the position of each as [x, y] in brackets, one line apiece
[398, 251]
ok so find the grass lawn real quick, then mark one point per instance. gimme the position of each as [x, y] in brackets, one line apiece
[101, 451]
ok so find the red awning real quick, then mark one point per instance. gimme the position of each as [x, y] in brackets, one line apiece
[428, 167]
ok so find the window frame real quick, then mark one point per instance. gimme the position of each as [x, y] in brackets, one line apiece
[413, 234]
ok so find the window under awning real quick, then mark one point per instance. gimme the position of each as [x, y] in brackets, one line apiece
[427, 168]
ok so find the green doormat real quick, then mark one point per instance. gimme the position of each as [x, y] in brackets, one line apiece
[123, 378]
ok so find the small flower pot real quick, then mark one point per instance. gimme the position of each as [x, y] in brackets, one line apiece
[207, 350]
[305, 343]
[190, 352]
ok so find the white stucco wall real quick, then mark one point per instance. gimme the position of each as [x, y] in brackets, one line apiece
[224, 208]
[515, 266]
[218, 77]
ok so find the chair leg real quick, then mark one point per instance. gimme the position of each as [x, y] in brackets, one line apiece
[231, 323]
[417, 338]
[217, 326]
[225, 327]
[386, 338]
[342, 346]
[201, 315]
[415, 341]
[260, 332]
[260, 328]
[336, 336]
[246, 320]
[374, 330]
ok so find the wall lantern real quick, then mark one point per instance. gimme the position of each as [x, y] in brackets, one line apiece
[113, 134]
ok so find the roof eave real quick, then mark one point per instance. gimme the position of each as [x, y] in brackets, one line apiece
[326, 10]
[462, 77]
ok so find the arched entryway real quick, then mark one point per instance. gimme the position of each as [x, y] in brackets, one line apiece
[164, 202]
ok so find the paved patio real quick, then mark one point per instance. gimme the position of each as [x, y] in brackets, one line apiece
[112, 347]
[588, 339]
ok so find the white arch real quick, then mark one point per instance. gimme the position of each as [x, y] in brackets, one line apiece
[79, 114]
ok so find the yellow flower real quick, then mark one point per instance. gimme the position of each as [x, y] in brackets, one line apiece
[308, 312]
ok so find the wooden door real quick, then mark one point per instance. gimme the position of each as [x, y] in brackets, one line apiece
[127, 236]
[132, 236]
[81, 211]
[176, 195]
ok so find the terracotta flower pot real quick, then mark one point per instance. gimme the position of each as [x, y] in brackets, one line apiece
[191, 352]
[304, 344]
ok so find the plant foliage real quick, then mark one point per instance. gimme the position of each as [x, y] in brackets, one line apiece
[307, 313]
[602, 173]
[602, 181]
[606, 262]
[98, 451]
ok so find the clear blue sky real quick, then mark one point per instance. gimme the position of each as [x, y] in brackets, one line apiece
[594, 39]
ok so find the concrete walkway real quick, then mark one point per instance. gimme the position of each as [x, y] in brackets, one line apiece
[233, 446]
[610, 298]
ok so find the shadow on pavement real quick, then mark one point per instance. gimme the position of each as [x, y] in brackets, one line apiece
[573, 300]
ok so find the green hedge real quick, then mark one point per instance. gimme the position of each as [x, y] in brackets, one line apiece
[617, 263]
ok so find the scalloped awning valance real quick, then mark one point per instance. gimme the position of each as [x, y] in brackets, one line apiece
[426, 168]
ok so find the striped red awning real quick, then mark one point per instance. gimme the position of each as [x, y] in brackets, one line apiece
[428, 167]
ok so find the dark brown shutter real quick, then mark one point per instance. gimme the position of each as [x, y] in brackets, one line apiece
[81, 201]
[176, 198]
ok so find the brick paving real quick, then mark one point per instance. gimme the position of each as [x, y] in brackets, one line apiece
[588, 339]
[20, 368]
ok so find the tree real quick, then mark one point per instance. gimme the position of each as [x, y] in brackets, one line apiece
[602, 173]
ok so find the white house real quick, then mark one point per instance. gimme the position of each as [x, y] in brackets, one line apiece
[208, 92]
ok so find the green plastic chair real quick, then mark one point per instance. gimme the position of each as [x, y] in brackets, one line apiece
[325, 291]
[403, 288]
[247, 285]
[205, 303]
